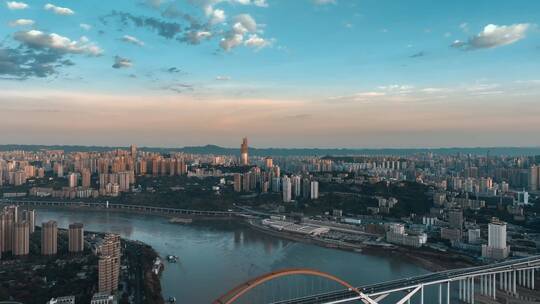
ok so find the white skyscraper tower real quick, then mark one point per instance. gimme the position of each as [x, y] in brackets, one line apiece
[496, 247]
[314, 190]
[287, 189]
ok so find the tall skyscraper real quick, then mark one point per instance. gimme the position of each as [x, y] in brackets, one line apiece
[86, 178]
[496, 247]
[314, 190]
[287, 189]
[109, 264]
[49, 238]
[533, 178]
[6, 228]
[30, 217]
[237, 182]
[133, 150]
[244, 158]
[72, 180]
[21, 239]
[76, 238]
[268, 162]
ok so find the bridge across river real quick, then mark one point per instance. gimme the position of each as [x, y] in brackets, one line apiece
[486, 281]
[126, 207]
[494, 283]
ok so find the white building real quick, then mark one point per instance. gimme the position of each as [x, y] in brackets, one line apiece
[496, 248]
[287, 189]
[314, 190]
[62, 300]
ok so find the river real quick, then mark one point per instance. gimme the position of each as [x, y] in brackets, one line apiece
[215, 256]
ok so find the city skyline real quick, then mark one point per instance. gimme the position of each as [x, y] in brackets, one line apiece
[310, 73]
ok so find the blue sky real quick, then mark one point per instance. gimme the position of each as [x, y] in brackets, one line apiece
[298, 61]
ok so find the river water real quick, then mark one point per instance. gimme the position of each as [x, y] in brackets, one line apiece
[216, 256]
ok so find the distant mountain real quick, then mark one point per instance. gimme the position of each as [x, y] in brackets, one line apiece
[213, 149]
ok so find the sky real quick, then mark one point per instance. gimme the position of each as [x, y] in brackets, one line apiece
[285, 73]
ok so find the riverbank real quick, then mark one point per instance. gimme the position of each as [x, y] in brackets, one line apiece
[145, 268]
[426, 258]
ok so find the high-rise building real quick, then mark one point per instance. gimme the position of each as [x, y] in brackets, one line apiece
[287, 189]
[49, 238]
[6, 230]
[30, 217]
[314, 190]
[496, 248]
[76, 237]
[133, 150]
[237, 182]
[21, 239]
[455, 218]
[268, 162]
[533, 178]
[72, 180]
[109, 264]
[86, 176]
[296, 185]
[244, 157]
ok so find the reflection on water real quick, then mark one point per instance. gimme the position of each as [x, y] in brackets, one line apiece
[216, 256]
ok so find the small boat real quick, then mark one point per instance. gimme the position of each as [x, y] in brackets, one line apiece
[172, 300]
[172, 258]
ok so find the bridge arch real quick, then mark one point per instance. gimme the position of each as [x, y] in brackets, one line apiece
[237, 292]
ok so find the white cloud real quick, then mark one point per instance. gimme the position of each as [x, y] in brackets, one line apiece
[494, 36]
[223, 78]
[38, 39]
[21, 22]
[85, 26]
[120, 63]
[464, 27]
[132, 40]
[217, 16]
[324, 2]
[243, 25]
[64, 11]
[257, 42]
[14, 5]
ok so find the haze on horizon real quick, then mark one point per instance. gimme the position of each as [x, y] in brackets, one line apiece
[306, 73]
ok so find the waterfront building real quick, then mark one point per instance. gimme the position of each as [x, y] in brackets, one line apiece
[21, 239]
[397, 235]
[109, 263]
[244, 158]
[76, 238]
[30, 217]
[49, 238]
[496, 248]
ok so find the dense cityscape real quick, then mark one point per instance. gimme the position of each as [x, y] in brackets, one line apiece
[460, 209]
[269, 152]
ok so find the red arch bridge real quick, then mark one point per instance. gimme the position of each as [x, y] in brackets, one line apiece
[512, 281]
